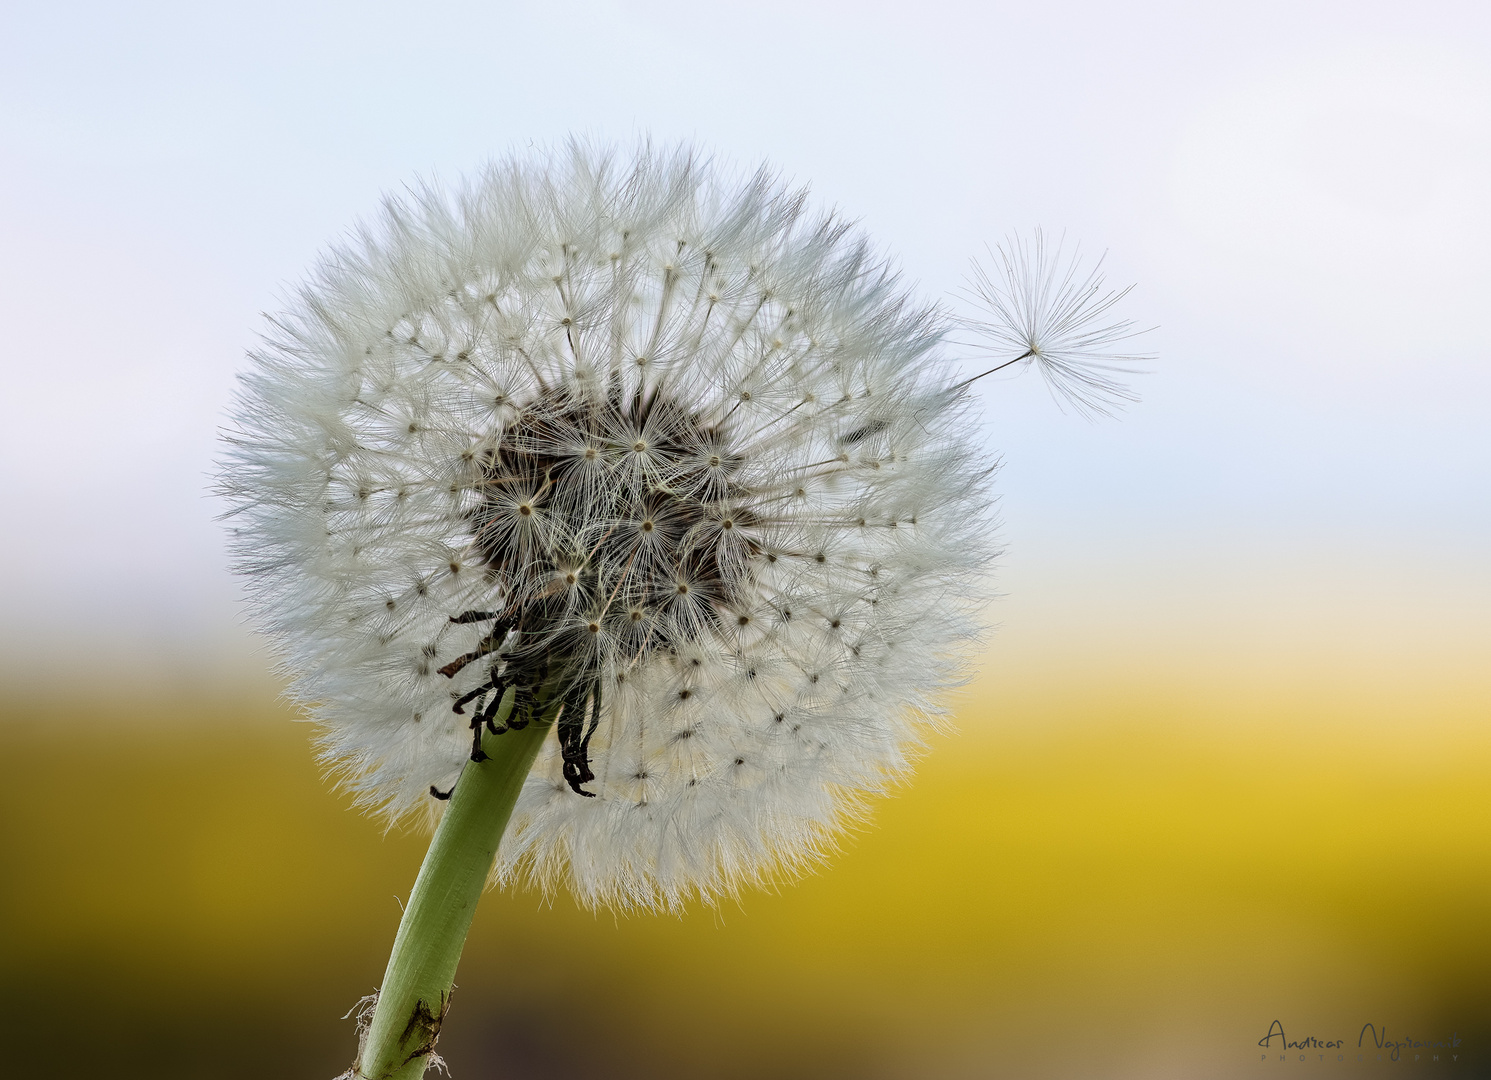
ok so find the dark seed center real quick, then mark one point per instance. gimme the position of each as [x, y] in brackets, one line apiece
[627, 575]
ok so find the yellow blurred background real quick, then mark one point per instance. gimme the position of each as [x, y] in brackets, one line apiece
[1109, 870]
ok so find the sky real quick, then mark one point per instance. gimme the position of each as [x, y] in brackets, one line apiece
[1297, 189]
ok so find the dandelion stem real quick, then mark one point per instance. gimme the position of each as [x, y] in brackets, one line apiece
[421, 972]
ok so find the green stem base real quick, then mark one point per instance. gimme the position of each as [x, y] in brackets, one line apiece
[421, 972]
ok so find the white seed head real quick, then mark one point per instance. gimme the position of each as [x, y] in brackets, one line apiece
[630, 422]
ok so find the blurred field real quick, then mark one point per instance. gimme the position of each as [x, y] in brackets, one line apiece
[1088, 881]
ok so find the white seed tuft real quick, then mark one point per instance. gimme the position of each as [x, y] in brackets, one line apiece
[1048, 313]
[677, 435]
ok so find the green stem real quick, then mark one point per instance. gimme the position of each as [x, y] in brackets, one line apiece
[421, 972]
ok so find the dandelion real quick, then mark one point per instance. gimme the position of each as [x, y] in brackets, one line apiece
[614, 509]
[1049, 313]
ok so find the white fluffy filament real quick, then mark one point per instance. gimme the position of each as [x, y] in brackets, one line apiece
[741, 724]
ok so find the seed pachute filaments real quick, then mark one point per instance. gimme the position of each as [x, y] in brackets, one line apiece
[656, 443]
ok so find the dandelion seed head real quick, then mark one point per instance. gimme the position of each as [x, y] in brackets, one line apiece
[659, 428]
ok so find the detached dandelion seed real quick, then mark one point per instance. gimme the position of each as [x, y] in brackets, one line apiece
[623, 512]
[1048, 313]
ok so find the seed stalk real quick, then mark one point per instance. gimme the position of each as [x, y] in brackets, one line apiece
[417, 985]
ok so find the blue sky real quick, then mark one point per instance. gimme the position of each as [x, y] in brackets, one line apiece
[1297, 188]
